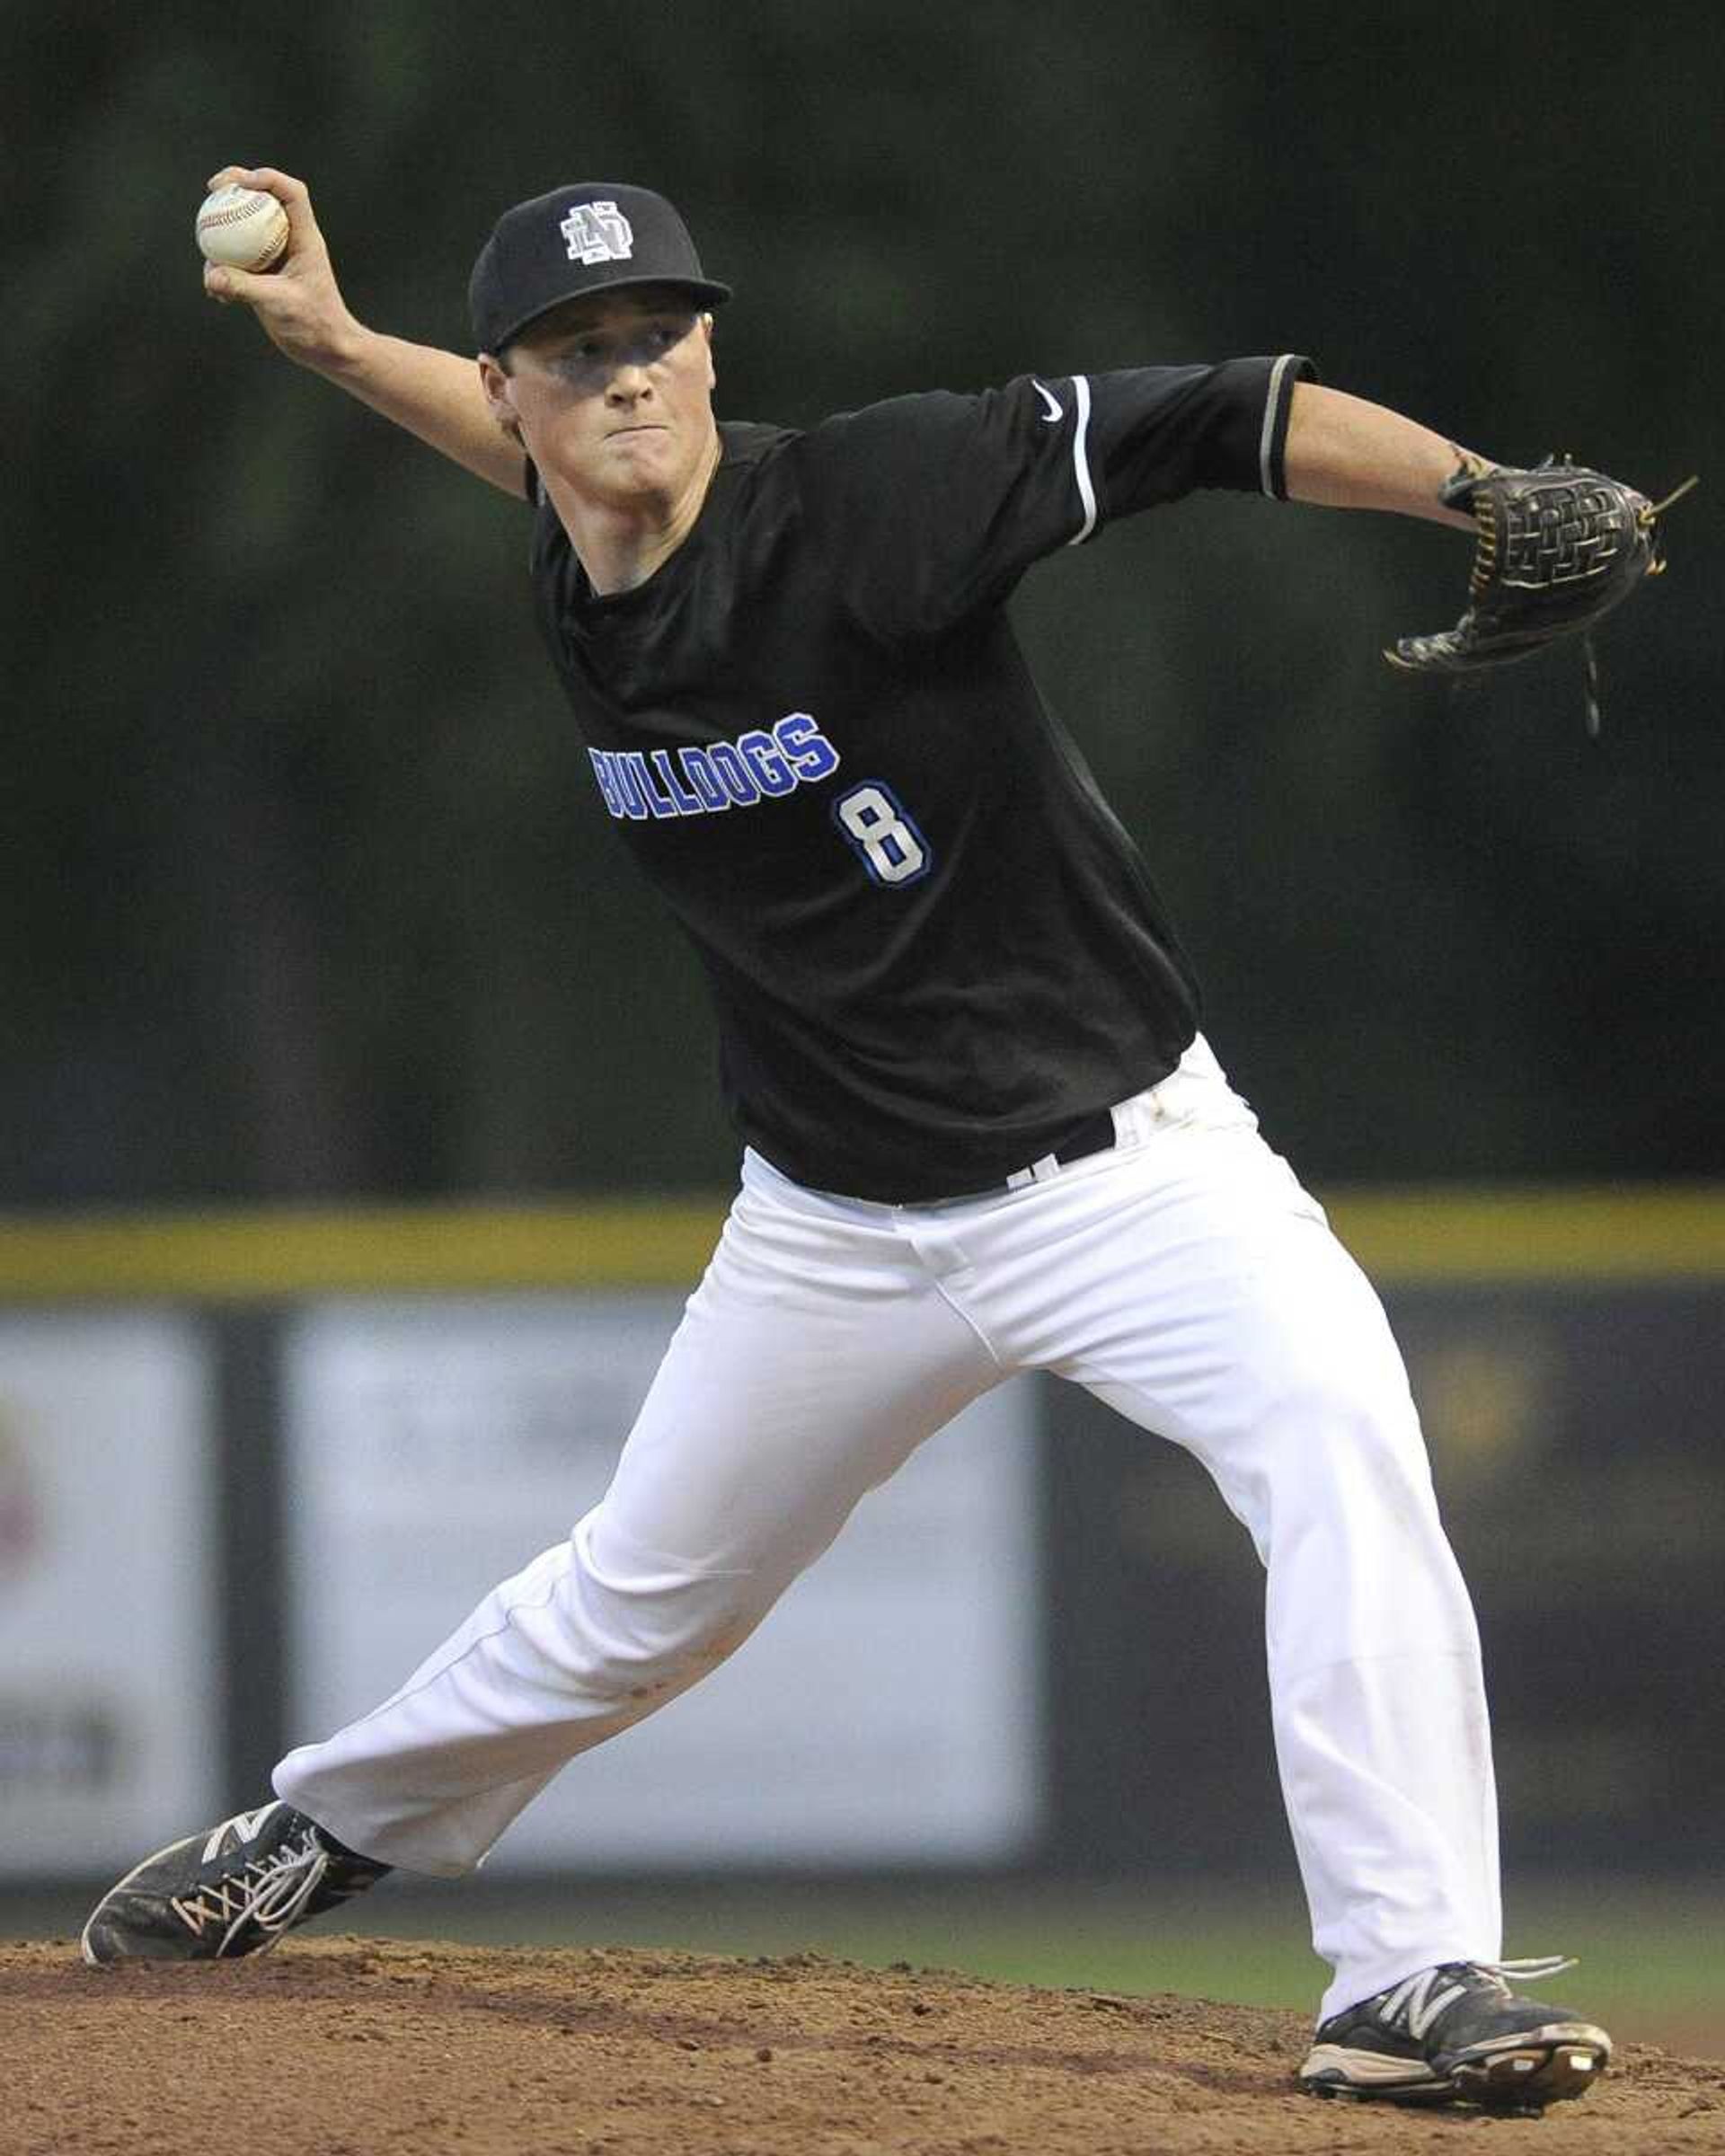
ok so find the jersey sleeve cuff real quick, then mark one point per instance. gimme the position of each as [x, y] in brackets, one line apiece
[1279, 399]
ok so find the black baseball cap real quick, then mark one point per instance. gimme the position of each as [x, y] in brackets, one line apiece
[596, 235]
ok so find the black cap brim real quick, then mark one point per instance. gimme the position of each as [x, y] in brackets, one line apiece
[702, 295]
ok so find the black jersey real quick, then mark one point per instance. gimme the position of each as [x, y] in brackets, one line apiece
[933, 948]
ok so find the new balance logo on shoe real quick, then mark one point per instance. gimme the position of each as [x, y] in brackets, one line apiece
[1458, 2033]
[1418, 2002]
[243, 1827]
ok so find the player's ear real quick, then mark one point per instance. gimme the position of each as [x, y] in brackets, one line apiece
[706, 332]
[500, 393]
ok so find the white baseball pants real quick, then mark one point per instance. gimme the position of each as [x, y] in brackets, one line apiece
[1188, 1280]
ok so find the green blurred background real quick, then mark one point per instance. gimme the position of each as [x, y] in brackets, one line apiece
[305, 892]
[305, 888]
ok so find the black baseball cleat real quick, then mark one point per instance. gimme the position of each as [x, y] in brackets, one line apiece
[234, 1890]
[1458, 2033]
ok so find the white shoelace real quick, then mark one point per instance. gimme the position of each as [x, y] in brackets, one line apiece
[270, 1895]
[1539, 1967]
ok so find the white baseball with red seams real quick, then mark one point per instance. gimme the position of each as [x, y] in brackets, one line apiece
[242, 228]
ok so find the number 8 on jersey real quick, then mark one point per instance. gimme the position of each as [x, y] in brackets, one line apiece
[893, 849]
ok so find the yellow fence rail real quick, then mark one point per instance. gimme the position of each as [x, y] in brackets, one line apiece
[1404, 1236]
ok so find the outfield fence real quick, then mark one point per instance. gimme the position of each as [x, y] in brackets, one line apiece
[253, 1464]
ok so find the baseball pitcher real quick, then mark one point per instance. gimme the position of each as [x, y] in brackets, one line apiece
[959, 1040]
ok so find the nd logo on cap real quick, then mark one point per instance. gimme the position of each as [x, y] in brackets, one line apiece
[614, 236]
[598, 232]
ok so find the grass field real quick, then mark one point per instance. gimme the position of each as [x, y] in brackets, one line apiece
[1650, 1961]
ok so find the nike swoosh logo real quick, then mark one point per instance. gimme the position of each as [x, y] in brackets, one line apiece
[1052, 414]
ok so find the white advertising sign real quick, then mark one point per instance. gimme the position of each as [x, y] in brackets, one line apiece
[109, 1640]
[886, 1710]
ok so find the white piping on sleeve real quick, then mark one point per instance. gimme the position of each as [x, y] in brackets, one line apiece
[1272, 405]
[1081, 461]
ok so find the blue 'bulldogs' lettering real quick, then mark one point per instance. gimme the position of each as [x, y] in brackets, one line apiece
[608, 785]
[812, 754]
[658, 802]
[686, 803]
[734, 774]
[697, 768]
[634, 804]
[767, 764]
[706, 781]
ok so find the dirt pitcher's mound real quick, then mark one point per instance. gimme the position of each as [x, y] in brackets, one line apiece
[355, 2048]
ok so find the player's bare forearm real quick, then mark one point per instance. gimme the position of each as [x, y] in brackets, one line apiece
[1344, 453]
[436, 395]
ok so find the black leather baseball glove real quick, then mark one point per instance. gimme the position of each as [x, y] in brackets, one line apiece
[1559, 546]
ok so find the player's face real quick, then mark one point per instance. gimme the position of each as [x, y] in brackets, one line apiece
[613, 395]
